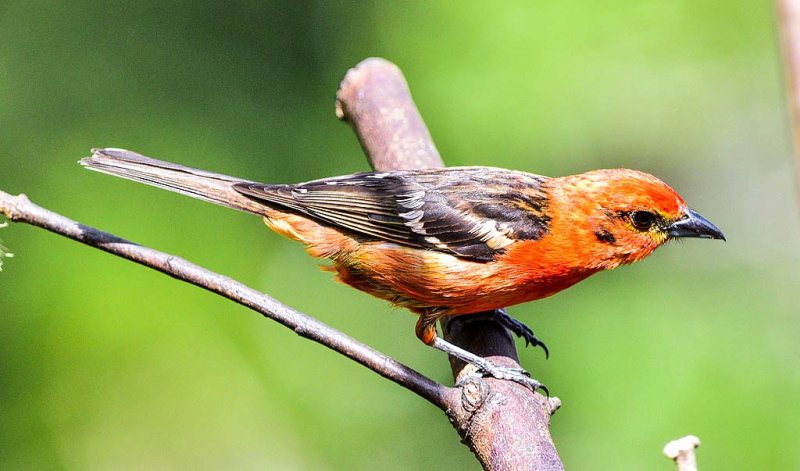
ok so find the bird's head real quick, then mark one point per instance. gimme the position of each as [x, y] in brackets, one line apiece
[626, 214]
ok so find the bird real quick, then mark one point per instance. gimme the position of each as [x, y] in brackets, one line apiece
[450, 241]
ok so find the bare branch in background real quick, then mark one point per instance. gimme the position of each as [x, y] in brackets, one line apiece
[789, 26]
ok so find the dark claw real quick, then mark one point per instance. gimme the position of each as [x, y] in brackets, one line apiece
[516, 327]
[526, 373]
[520, 330]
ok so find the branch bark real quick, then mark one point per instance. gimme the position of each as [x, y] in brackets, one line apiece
[505, 425]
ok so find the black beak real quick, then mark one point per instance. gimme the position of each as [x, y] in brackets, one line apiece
[694, 225]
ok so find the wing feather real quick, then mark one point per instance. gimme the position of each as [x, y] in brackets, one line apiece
[471, 212]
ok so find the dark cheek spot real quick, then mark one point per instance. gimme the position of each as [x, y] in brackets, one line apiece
[604, 236]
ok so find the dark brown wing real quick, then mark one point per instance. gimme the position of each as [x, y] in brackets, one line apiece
[472, 212]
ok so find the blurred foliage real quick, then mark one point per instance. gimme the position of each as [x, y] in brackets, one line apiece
[106, 365]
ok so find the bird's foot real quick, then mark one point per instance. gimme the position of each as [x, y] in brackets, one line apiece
[517, 375]
[515, 326]
[486, 367]
[521, 330]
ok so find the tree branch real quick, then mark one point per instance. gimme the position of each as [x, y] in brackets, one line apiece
[21, 209]
[505, 425]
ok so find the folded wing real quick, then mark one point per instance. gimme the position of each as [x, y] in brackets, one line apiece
[471, 212]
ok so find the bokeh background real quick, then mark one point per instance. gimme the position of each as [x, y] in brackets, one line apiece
[108, 365]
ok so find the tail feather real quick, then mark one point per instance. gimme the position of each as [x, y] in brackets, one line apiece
[207, 186]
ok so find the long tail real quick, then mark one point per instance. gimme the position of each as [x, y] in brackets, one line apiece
[208, 186]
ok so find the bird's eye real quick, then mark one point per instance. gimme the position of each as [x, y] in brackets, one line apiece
[643, 220]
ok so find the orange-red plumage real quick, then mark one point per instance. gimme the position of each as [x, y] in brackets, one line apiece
[528, 270]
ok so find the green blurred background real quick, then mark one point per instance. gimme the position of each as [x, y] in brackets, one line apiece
[108, 365]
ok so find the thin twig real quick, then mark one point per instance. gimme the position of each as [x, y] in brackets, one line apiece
[21, 209]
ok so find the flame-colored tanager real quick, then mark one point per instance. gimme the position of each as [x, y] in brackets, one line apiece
[450, 241]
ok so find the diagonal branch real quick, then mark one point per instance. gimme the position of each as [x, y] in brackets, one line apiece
[505, 425]
[21, 209]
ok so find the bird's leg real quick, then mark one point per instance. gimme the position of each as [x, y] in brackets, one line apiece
[426, 331]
